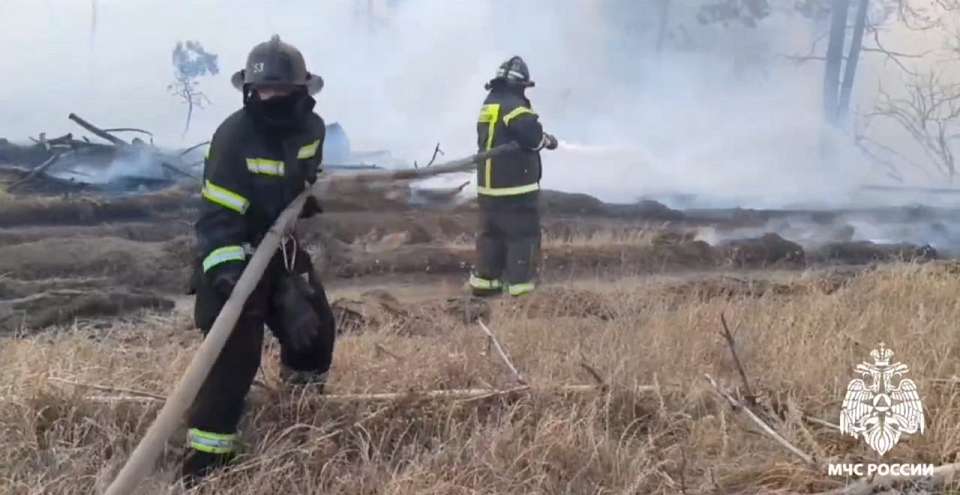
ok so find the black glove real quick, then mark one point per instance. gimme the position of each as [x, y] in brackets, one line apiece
[225, 278]
[549, 141]
[311, 207]
[311, 170]
[300, 321]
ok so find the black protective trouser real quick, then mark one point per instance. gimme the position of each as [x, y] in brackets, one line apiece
[508, 246]
[219, 403]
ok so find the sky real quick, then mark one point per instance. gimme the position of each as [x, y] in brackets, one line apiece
[632, 123]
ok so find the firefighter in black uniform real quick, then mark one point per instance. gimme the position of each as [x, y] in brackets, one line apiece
[508, 246]
[260, 158]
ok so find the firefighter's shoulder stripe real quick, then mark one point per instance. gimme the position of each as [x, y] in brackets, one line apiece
[225, 197]
[265, 166]
[516, 112]
[308, 151]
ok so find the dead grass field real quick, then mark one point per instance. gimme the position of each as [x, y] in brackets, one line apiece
[798, 349]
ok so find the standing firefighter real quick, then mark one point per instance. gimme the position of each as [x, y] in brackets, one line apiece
[260, 158]
[508, 186]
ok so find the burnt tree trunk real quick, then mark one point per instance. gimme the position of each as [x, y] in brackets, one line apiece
[831, 76]
[850, 69]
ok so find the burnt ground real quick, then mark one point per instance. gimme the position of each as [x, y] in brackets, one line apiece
[93, 257]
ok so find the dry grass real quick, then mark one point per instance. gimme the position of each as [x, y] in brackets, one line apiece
[798, 351]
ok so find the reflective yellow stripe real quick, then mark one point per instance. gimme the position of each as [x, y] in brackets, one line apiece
[520, 289]
[223, 255]
[265, 166]
[488, 115]
[483, 283]
[308, 151]
[211, 443]
[516, 112]
[508, 191]
[225, 197]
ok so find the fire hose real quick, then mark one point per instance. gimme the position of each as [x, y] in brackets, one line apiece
[144, 457]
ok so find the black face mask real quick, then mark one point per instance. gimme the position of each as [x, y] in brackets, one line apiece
[282, 112]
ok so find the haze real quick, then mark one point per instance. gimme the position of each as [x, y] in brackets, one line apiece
[727, 120]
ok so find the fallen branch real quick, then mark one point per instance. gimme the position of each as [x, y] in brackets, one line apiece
[103, 388]
[188, 150]
[728, 336]
[36, 171]
[176, 170]
[452, 394]
[503, 354]
[942, 475]
[100, 133]
[131, 129]
[738, 406]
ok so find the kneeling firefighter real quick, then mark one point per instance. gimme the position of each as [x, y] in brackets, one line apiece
[260, 158]
[508, 186]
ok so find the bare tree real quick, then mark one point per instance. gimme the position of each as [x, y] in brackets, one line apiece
[191, 61]
[930, 114]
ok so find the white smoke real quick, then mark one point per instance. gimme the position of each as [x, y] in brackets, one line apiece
[721, 119]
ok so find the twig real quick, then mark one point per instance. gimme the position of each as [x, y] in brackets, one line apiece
[188, 150]
[434, 157]
[821, 422]
[503, 354]
[103, 388]
[942, 475]
[751, 398]
[737, 405]
[381, 349]
[946, 381]
[590, 369]
[596, 376]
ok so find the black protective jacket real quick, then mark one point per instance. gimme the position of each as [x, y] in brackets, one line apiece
[506, 116]
[251, 173]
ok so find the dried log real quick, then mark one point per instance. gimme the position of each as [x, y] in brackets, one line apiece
[100, 133]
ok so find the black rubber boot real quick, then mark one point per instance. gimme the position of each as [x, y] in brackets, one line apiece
[198, 465]
[293, 378]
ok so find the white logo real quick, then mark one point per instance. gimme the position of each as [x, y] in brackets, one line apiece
[258, 67]
[881, 411]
